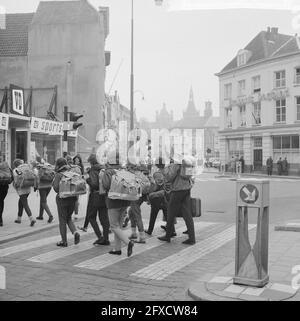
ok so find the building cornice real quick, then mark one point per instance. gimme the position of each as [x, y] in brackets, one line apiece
[256, 63]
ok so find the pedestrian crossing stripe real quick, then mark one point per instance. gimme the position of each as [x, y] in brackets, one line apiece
[232, 179]
[63, 252]
[162, 269]
[32, 245]
[100, 262]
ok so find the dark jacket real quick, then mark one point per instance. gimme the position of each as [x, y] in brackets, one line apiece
[111, 204]
[93, 179]
[178, 183]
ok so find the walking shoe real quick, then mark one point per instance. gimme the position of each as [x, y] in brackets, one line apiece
[115, 252]
[18, 222]
[83, 229]
[32, 223]
[51, 219]
[164, 239]
[133, 237]
[40, 218]
[98, 242]
[140, 241]
[174, 235]
[76, 238]
[147, 232]
[62, 244]
[164, 228]
[126, 221]
[130, 248]
[185, 232]
[189, 242]
[104, 243]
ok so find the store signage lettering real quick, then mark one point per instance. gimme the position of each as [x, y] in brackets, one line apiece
[273, 95]
[45, 126]
[4, 121]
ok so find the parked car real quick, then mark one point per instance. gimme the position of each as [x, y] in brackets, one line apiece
[216, 163]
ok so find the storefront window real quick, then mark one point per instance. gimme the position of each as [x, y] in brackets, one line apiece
[3, 146]
[45, 146]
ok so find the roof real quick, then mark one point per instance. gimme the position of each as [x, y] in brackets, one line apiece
[14, 38]
[265, 45]
[65, 12]
[190, 123]
[212, 122]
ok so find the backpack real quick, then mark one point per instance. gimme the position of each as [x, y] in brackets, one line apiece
[46, 174]
[24, 176]
[5, 174]
[188, 168]
[76, 169]
[159, 178]
[71, 185]
[125, 186]
[144, 182]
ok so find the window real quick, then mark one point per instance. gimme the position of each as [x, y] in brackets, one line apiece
[256, 84]
[280, 110]
[243, 116]
[280, 79]
[228, 114]
[241, 59]
[241, 87]
[297, 75]
[298, 107]
[286, 142]
[256, 113]
[228, 91]
[257, 142]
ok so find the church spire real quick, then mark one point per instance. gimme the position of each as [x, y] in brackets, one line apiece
[191, 95]
[191, 110]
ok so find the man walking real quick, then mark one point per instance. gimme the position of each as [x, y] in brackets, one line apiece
[279, 166]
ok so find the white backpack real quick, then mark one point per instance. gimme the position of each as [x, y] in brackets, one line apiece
[125, 186]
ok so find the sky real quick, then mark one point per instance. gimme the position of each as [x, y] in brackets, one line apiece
[177, 49]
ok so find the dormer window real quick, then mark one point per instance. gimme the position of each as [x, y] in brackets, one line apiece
[243, 57]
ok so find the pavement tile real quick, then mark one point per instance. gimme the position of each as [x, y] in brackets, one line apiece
[283, 288]
[221, 279]
[274, 295]
[217, 286]
[235, 289]
[253, 291]
[247, 297]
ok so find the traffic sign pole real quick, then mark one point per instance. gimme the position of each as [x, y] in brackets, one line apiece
[66, 119]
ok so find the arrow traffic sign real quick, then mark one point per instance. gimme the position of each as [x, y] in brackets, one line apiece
[249, 194]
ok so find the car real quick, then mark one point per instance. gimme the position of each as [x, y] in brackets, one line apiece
[216, 163]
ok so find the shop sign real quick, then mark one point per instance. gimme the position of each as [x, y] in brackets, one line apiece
[4, 121]
[45, 126]
[273, 95]
[18, 101]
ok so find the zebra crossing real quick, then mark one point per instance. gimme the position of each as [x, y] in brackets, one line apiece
[232, 179]
[86, 257]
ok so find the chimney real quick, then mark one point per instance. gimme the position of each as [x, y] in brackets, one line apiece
[274, 31]
[104, 14]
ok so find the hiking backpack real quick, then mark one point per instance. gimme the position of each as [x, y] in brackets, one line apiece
[125, 186]
[5, 174]
[71, 185]
[24, 176]
[144, 182]
[188, 167]
[46, 174]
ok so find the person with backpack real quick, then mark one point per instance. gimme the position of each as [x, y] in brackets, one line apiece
[24, 179]
[65, 206]
[6, 178]
[97, 203]
[116, 209]
[180, 199]
[135, 212]
[45, 176]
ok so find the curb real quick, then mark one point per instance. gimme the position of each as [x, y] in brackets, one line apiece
[287, 228]
[31, 233]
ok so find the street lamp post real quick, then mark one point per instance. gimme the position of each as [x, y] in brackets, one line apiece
[158, 3]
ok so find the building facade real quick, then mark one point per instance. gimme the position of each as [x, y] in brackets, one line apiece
[59, 46]
[260, 102]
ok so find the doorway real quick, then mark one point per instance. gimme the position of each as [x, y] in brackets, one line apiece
[258, 159]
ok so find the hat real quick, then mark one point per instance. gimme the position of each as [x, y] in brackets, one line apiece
[18, 162]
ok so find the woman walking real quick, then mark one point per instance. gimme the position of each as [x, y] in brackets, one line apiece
[65, 206]
[23, 192]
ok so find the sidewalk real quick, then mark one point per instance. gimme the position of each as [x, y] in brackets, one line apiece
[12, 231]
[254, 175]
[284, 269]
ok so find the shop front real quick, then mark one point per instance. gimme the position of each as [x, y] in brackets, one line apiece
[46, 139]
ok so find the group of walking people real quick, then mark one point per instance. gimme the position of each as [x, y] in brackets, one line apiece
[282, 166]
[170, 193]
